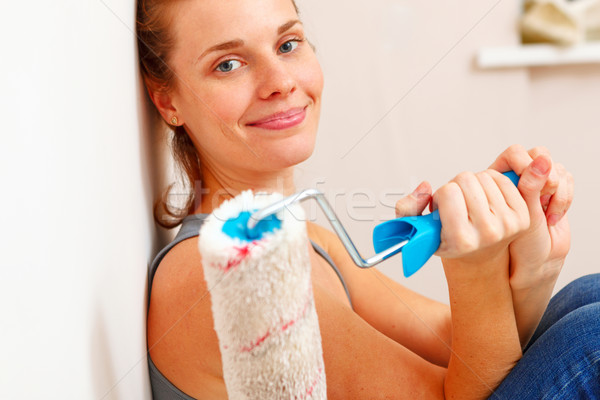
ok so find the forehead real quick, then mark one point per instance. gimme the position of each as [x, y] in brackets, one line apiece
[203, 23]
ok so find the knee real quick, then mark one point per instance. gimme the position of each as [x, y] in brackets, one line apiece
[587, 280]
[580, 329]
[585, 316]
[565, 361]
[586, 287]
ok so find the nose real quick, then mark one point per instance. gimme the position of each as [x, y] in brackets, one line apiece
[277, 79]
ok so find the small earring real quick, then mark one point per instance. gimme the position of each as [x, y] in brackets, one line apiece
[174, 121]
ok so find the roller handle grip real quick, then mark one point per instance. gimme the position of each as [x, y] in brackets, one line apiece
[422, 232]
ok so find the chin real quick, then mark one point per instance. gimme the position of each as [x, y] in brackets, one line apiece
[290, 154]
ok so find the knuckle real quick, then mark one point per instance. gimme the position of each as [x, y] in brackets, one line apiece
[518, 224]
[524, 218]
[405, 207]
[526, 184]
[515, 149]
[490, 174]
[551, 184]
[465, 243]
[399, 208]
[447, 190]
[538, 150]
[482, 174]
[560, 169]
[560, 200]
[492, 233]
[464, 176]
[511, 226]
[570, 178]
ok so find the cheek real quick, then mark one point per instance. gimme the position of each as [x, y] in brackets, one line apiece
[312, 79]
[226, 105]
[217, 110]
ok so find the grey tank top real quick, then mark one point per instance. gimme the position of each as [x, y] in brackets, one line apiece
[162, 388]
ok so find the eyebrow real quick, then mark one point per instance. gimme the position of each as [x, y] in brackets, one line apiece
[287, 26]
[232, 44]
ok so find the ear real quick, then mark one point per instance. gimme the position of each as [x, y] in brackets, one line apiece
[163, 101]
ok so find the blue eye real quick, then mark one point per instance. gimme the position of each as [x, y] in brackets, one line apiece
[288, 46]
[229, 65]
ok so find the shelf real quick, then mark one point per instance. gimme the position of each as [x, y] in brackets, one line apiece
[533, 55]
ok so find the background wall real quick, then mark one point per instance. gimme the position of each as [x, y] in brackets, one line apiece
[403, 103]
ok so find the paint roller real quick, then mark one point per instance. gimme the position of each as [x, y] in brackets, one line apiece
[262, 301]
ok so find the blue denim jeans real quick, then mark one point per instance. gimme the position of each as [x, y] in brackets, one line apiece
[562, 359]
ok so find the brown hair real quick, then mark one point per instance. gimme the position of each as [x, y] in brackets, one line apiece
[155, 43]
[154, 47]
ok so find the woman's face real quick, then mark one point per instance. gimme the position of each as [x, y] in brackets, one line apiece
[248, 85]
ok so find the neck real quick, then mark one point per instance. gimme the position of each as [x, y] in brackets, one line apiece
[215, 187]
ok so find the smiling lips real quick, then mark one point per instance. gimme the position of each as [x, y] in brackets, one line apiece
[281, 120]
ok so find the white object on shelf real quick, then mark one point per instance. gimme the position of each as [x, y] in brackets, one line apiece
[531, 55]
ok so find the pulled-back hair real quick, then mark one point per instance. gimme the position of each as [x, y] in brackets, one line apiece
[155, 43]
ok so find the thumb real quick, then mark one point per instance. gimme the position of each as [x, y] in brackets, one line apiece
[533, 179]
[414, 203]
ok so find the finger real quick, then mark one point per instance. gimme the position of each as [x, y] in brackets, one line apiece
[506, 204]
[512, 203]
[539, 151]
[562, 198]
[475, 197]
[414, 203]
[515, 158]
[495, 197]
[553, 178]
[531, 183]
[545, 201]
[450, 203]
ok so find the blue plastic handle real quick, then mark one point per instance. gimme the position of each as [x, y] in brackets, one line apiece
[422, 232]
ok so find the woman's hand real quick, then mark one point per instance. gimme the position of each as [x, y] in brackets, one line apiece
[538, 255]
[480, 215]
[478, 211]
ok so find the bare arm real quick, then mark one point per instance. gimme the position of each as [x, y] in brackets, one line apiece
[485, 343]
[420, 324]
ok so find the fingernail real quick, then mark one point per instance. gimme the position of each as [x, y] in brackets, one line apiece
[545, 200]
[553, 219]
[420, 191]
[541, 166]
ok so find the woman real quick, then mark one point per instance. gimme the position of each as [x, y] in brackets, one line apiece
[241, 87]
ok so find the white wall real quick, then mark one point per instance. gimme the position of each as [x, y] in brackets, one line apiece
[77, 150]
[76, 203]
[404, 102]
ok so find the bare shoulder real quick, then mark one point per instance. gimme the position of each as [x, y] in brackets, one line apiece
[332, 244]
[324, 238]
[181, 338]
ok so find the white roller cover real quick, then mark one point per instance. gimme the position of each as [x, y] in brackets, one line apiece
[263, 305]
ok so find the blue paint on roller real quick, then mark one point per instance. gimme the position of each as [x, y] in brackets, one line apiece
[238, 227]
